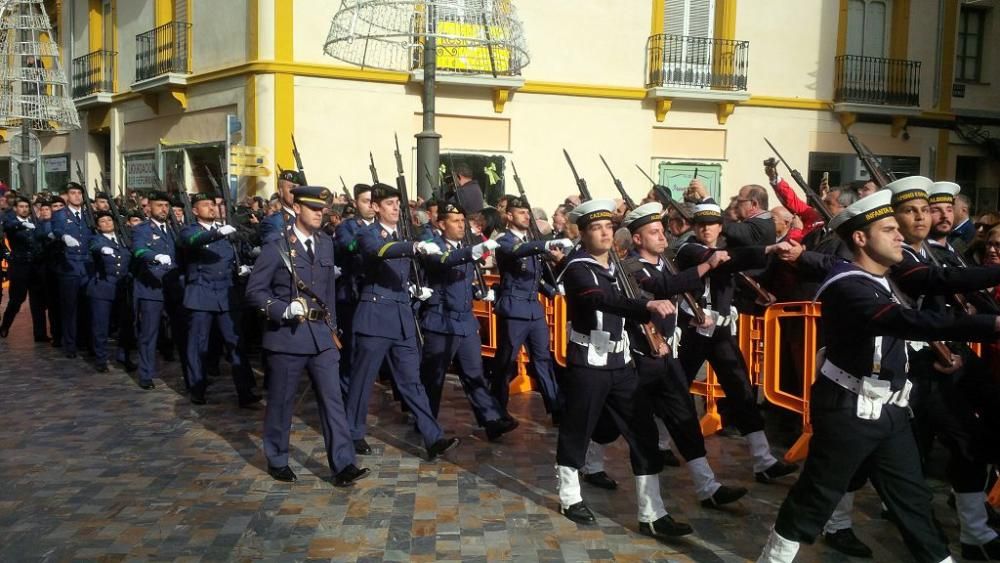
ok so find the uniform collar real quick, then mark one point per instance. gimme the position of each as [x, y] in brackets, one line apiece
[302, 237]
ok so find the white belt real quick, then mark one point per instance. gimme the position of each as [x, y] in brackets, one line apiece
[872, 392]
[614, 346]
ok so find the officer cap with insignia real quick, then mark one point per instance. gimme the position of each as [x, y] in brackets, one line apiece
[909, 189]
[591, 211]
[943, 192]
[290, 176]
[159, 196]
[382, 191]
[642, 216]
[449, 206]
[515, 202]
[313, 197]
[707, 212]
[202, 196]
[862, 213]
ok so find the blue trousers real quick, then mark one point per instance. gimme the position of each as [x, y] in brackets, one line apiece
[439, 351]
[71, 290]
[101, 312]
[513, 333]
[404, 361]
[25, 279]
[148, 327]
[283, 372]
[200, 325]
[345, 322]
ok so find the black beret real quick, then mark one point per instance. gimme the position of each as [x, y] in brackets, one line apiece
[202, 196]
[158, 196]
[382, 191]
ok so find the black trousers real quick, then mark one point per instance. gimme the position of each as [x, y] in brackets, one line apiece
[26, 279]
[842, 444]
[723, 353]
[664, 391]
[591, 392]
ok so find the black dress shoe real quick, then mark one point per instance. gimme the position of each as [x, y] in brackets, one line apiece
[129, 366]
[600, 480]
[198, 399]
[578, 513]
[670, 459]
[147, 385]
[497, 428]
[847, 543]
[56, 344]
[282, 474]
[249, 401]
[665, 528]
[5, 331]
[439, 447]
[101, 368]
[361, 447]
[778, 469]
[38, 338]
[986, 552]
[350, 474]
[725, 495]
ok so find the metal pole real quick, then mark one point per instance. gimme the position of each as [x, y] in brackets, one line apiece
[25, 165]
[428, 140]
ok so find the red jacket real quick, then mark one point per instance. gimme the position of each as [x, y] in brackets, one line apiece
[811, 219]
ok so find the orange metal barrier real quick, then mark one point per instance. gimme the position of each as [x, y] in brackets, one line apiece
[810, 312]
[483, 311]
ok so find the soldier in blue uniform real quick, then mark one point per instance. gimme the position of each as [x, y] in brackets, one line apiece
[25, 269]
[860, 400]
[273, 226]
[520, 317]
[350, 263]
[385, 326]
[108, 293]
[208, 298]
[75, 266]
[157, 282]
[451, 332]
[292, 285]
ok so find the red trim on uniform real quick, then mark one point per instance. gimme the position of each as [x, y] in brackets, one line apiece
[883, 310]
[914, 269]
[592, 290]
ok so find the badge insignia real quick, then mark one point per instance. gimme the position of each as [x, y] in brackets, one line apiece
[156, 237]
[385, 234]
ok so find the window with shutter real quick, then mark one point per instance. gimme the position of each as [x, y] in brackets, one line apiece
[687, 53]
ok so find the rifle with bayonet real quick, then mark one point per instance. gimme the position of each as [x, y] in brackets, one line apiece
[347, 194]
[371, 167]
[533, 232]
[813, 196]
[298, 162]
[405, 225]
[764, 297]
[626, 282]
[230, 207]
[468, 236]
[183, 197]
[175, 225]
[692, 303]
[88, 204]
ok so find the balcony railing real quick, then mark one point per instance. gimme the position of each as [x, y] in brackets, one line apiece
[680, 61]
[94, 73]
[162, 50]
[876, 81]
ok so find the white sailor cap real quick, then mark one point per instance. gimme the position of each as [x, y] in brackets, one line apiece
[863, 212]
[943, 192]
[642, 216]
[590, 211]
[909, 188]
[707, 212]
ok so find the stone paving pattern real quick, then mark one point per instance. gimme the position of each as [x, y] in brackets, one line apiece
[95, 469]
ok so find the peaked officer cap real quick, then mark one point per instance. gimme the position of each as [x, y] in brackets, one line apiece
[314, 197]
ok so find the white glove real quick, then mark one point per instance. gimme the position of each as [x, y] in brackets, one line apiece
[561, 290]
[244, 270]
[294, 309]
[424, 294]
[490, 296]
[428, 248]
[162, 259]
[52, 236]
[481, 248]
[227, 230]
[337, 272]
[29, 225]
[107, 251]
[558, 243]
[70, 241]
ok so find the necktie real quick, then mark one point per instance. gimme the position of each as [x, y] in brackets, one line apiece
[163, 229]
[309, 250]
[394, 237]
[77, 213]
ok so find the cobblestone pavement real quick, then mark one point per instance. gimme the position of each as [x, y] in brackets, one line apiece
[96, 469]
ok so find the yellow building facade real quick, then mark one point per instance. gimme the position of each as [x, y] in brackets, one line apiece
[675, 86]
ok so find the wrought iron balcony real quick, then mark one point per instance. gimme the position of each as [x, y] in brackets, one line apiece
[163, 50]
[681, 61]
[877, 81]
[94, 73]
